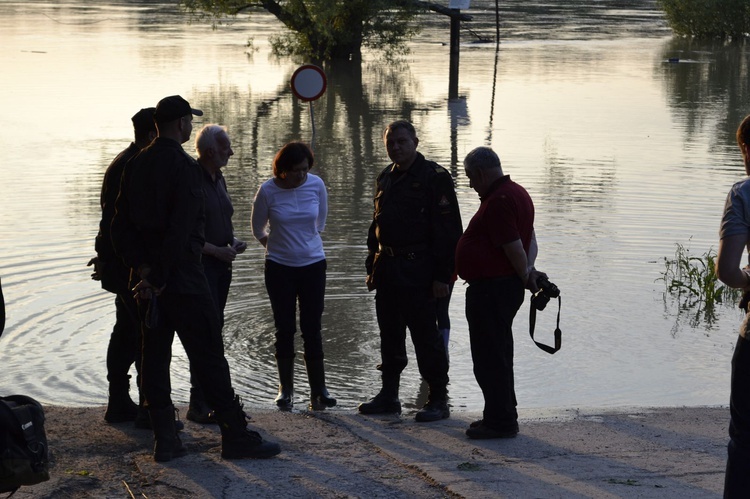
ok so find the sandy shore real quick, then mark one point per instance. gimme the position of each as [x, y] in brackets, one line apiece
[644, 453]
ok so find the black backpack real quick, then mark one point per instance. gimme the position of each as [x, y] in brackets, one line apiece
[23, 444]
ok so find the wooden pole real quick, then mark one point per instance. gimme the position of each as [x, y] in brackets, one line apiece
[454, 52]
[497, 21]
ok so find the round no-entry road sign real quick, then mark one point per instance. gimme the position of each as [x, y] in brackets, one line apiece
[308, 82]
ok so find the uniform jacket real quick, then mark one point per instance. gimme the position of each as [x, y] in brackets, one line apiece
[159, 217]
[416, 225]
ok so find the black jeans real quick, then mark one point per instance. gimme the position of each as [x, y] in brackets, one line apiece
[491, 306]
[737, 478]
[399, 307]
[124, 347]
[286, 285]
[193, 317]
[219, 277]
[442, 304]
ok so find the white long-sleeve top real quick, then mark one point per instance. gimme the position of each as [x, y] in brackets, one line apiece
[292, 219]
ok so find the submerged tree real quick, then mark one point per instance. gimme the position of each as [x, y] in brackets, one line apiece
[708, 18]
[328, 29]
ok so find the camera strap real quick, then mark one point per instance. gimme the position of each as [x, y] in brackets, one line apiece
[558, 333]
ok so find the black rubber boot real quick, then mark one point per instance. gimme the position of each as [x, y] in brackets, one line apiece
[120, 407]
[237, 442]
[385, 402]
[285, 399]
[319, 396]
[167, 443]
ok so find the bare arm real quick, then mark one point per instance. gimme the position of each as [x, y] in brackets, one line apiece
[224, 253]
[729, 259]
[533, 250]
[517, 256]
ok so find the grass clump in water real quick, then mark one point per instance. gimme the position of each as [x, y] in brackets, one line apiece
[692, 280]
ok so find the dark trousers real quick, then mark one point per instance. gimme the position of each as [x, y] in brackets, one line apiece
[219, 277]
[441, 309]
[194, 319]
[491, 305]
[124, 347]
[399, 307]
[737, 478]
[286, 285]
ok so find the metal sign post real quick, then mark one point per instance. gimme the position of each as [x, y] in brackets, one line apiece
[309, 84]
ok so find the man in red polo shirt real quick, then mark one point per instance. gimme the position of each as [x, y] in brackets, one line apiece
[495, 255]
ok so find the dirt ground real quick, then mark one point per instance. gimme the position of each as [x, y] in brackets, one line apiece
[668, 452]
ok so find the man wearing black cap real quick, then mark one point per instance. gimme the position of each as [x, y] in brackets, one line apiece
[124, 342]
[158, 230]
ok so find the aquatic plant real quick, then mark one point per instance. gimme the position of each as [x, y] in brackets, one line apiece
[692, 280]
[696, 277]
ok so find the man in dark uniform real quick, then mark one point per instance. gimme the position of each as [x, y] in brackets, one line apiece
[411, 245]
[158, 231]
[124, 348]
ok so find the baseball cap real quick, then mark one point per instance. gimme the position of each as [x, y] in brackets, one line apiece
[143, 120]
[172, 108]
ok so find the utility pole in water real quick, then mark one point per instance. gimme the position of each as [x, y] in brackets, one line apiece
[455, 7]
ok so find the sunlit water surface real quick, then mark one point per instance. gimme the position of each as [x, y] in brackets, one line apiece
[624, 153]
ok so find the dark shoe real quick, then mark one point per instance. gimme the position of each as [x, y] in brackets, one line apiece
[237, 442]
[381, 404]
[482, 432]
[167, 443]
[433, 411]
[322, 401]
[120, 409]
[248, 444]
[199, 412]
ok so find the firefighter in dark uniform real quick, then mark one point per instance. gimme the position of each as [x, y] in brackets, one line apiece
[411, 246]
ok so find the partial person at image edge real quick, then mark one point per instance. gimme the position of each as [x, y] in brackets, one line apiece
[734, 235]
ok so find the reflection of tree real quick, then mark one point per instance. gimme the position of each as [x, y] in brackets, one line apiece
[708, 86]
[359, 101]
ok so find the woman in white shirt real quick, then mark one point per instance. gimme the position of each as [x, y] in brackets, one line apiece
[289, 213]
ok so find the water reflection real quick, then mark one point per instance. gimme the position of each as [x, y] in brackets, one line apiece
[707, 86]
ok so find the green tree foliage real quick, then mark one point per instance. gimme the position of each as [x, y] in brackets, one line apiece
[327, 29]
[708, 18]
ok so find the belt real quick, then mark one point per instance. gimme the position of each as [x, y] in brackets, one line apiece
[409, 252]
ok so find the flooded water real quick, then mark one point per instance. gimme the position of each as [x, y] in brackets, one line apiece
[624, 153]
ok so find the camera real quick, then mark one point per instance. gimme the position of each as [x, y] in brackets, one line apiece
[547, 291]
